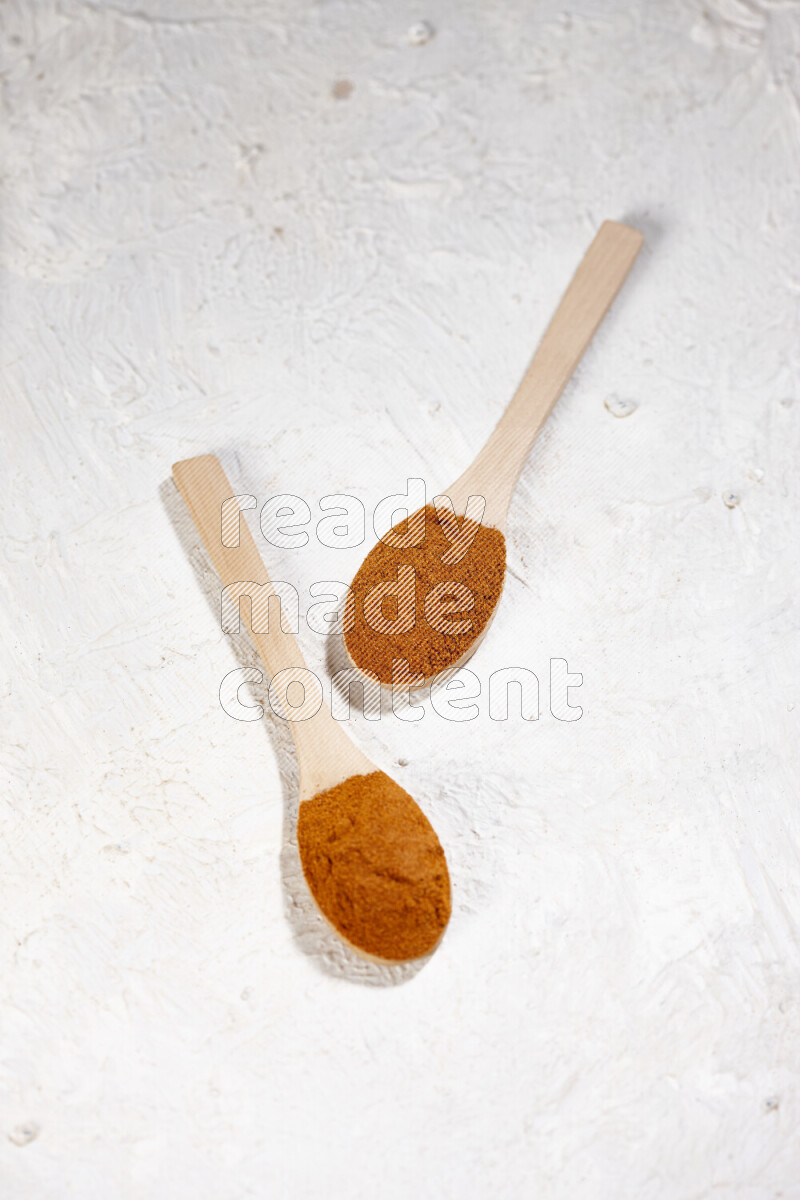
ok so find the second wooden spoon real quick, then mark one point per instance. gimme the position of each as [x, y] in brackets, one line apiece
[493, 475]
[371, 859]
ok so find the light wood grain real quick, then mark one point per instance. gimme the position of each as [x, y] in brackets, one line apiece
[602, 272]
[325, 754]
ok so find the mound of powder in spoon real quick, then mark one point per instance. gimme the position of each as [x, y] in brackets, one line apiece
[375, 866]
[425, 603]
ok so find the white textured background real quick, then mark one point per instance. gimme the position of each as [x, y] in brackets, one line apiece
[203, 248]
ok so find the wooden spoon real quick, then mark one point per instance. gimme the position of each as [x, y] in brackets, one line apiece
[494, 472]
[399, 904]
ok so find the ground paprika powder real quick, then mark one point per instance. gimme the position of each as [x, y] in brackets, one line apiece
[437, 625]
[375, 867]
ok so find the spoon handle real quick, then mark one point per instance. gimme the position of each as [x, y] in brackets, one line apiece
[212, 502]
[586, 301]
[326, 756]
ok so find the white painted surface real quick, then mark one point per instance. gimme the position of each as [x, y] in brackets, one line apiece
[204, 249]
